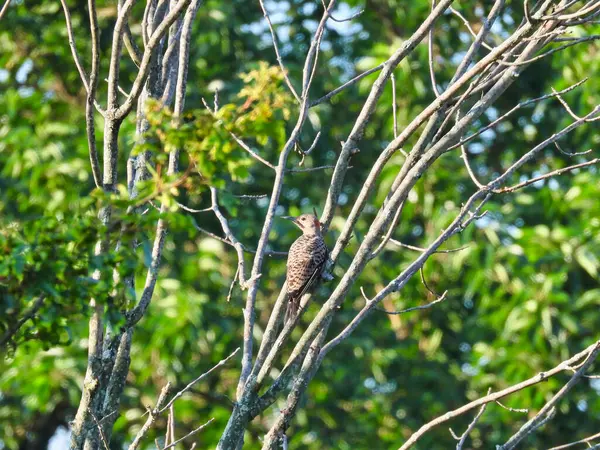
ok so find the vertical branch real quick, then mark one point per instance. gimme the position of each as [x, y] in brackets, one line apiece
[308, 370]
[249, 313]
[91, 95]
[430, 54]
[284, 71]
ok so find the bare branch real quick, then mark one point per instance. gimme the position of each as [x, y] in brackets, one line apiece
[548, 175]
[78, 64]
[276, 48]
[351, 144]
[514, 109]
[523, 410]
[225, 241]
[132, 48]
[551, 52]
[352, 17]
[76, 59]
[192, 210]
[559, 148]
[565, 105]
[389, 232]
[235, 277]
[572, 444]
[152, 43]
[464, 436]
[347, 84]
[468, 25]
[240, 142]
[4, 9]
[244, 282]
[310, 149]
[309, 169]
[547, 411]
[394, 109]
[191, 433]
[152, 416]
[91, 96]
[197, 380]
[421, 249]
[576, 15]
[465, 158]
[431, 68]
[104, 443]
[249, 312]
[543, 376]
[440, 299]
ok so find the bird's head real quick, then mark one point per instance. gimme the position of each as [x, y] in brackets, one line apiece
[308, 223]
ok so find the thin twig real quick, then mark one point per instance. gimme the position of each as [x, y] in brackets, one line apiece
[200, 378]
[225, 241]
[424, 282]
[151, 45]
[172, 425]
[465, 157]
[388, 234]
[309, 169]
[91, 95]
[430, 58]
[310, 149]
[76, 59]
[278, 55]
[192, 210]
[508, 408]
[102, 437]
[565, 105]
[394, 108]
[240, 142]
[547, 411]
[559, 148]
[464, 436]
[514, 109]
[421, 249]
[468, 25]
[152, 416]
[235, 277]
[550, 52]
[231, 238]
[548, 175]
[347, 84]
[191, 433]
[572, 444]
[353, 16]
[414, 308]
[540, 377]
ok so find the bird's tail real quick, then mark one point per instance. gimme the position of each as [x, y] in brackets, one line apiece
[292, 309]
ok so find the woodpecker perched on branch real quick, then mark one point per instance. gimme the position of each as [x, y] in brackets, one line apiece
[306, 260]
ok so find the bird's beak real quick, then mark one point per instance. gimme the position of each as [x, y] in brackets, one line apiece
[293, 219]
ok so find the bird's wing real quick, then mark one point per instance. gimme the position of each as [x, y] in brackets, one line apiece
[306, 286]
[313, 276]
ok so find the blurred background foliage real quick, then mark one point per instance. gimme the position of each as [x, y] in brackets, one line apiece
[523, 295]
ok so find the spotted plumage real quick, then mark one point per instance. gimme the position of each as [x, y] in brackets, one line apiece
[306, 260]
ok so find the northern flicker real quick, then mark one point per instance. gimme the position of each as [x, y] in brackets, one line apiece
[306, 260]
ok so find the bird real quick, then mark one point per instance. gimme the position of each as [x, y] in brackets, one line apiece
[306, 261]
